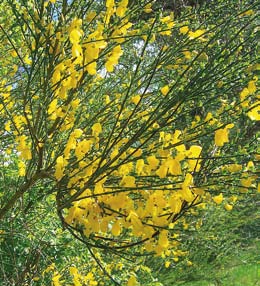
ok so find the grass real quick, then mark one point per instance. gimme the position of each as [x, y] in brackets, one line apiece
[242, 269]
[242, 275]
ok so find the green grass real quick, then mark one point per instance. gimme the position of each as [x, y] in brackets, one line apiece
[242, 275]
[242, 269]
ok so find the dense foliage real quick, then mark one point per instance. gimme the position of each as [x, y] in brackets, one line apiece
[121, 127]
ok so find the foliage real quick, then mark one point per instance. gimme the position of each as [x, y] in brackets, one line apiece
[128, 126]
[217, 243]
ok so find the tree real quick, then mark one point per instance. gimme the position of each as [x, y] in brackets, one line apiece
[126, 125]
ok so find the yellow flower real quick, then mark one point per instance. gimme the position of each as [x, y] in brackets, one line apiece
[196, 34]
[244, 94]
[22, 168]
[162, 171]
[153, 162]
[96, 129]
[193, 154]
[148, 8]
[187, 194]
[110, 3]
[251, 87]
[132, 281]
[92, 68]
[228, 207]
[174, 166]
[247, 182]
[56, 279]
[59, 168]
[254, 113]
[116, 228]
[165, 90]
[121, 9]
[27, 60]
[76, 51]
[77, 133]
[218, 199]
[113, 58]
[24, 148]
[75, 36]
[184, 30]
[189, 263]
[163, 239]
[53, 106]
[233, 168]
[135, 99]
[128, 181]
[221, 135]
[187, 54]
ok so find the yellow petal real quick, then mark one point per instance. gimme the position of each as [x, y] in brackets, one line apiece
[165, 90]
[218, 199]
[163, 239]
[92, 68]
[196, 34]
[116, 228]
[254, 113]
[75, 35]
[184, 30]
[96, 129]
[132, 281]
[228, 207]
[135, 99]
